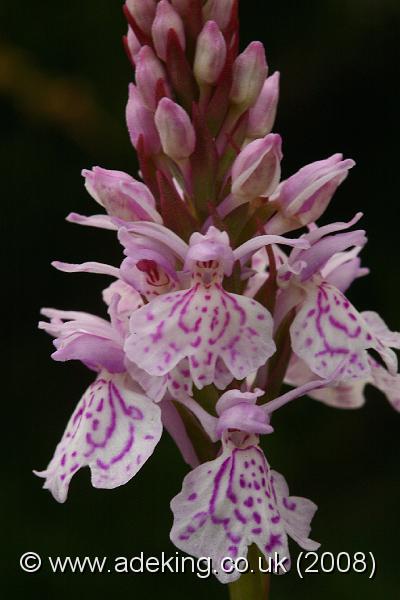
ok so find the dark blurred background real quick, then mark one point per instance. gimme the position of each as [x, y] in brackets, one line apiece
[63, 84]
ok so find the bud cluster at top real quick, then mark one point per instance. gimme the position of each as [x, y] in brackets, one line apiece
[197, 103]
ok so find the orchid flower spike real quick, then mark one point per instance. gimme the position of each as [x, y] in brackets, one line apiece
[205, 305]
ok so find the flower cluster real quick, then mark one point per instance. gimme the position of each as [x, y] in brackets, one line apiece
[213, 308]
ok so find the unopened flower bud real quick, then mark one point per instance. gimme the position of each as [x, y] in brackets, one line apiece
[149, 71]
[143, 12]
[210, 54]
[249, 73]
[262, 114]
[176, 131]
[302, 198]
[140, 122]
[132, 44]
[166, 19]
[257, 169]
[219, 11]
[345, 273]
[121, 195]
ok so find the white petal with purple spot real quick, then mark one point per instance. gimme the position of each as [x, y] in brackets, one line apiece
[201, 324]
[328, 331]
[231, 502]
[113, 430]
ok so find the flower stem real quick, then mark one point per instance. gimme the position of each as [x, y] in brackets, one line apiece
[253, 585]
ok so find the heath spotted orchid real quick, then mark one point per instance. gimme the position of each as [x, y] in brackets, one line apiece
[211, 300]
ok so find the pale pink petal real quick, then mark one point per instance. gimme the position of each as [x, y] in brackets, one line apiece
[223, 508]
[154, 387]
[201, 324]
[100, 221]
[94, 352]
[343, 268]
[387, 383]
[113, 430]
[328, 330]
[161, 234]
[343, 395]
[129, 298]
[141, 248]
[178, 381]
[343, 276]
[230, 503]
[222, 376]
[239, 411]
[119, 318]
[384, 339]
[87, 267]
[296, 512]
[148, 277]
[254, 244]
[63, 322]
[234, 397]
[90, 339]
[316, 257]
[349, 394]
[214, 245]
[317, 233]
[244, 416]
[57, 318]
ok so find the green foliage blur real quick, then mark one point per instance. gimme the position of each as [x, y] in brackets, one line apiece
[63, 88]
